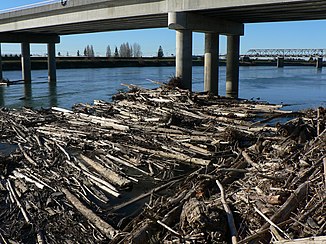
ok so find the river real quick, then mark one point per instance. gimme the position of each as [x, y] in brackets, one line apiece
[300, 87]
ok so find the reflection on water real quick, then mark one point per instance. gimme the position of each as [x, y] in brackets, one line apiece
[300, 86]
[28, 96]
[2, 99]
[53, 99]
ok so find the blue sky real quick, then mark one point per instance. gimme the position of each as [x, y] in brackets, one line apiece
[307, 34]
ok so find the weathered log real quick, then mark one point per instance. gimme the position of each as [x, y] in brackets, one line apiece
[108, 174]
[19, 205]
[100, 224]
[123, 162]
[179, 156]
[271, 222]
[103, 184]
[28, 158]
[284, 212]
[233, 230]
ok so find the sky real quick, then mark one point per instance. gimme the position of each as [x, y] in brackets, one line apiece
[301, 34]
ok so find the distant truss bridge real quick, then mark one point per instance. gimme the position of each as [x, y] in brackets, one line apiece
[286, 53]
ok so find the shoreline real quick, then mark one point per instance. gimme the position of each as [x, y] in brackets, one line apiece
[39, 63]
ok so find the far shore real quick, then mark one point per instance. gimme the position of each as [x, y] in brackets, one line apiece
[38, 63]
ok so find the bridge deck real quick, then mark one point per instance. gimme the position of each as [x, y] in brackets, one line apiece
[85, 16]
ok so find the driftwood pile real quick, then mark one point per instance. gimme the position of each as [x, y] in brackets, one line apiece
[162, 166]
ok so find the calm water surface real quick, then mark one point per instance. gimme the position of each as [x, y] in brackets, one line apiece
[302, 87]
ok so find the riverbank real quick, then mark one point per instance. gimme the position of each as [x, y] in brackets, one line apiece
[152, 165]
[38, 63]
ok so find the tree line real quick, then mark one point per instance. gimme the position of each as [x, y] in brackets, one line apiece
[125, 50]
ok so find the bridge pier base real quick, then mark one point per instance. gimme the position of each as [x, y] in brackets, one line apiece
[280, 62]
[211, 63]
[319, 63]
[232, 66]
[52, 70]
[184, 57]
[1, 75]
[26, 62]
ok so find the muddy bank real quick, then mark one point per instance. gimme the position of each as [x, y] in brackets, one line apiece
[162, 166]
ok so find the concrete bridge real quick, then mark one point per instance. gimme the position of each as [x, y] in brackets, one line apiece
[46, 23]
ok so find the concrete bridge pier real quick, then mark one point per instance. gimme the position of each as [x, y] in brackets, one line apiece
[184, 24]
[319, 63]
[52, 70]
[232, 66]
[1, 75]
[280, 62]
[184, 57]
[26, 62]
[211, 66]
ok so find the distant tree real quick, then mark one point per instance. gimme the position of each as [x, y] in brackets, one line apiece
[160, 52]
[136, 50]
[130, 51]
[116, 52]
[108, 51]
[89, 51]
[78, 53]
[123, 50]
[67, 54]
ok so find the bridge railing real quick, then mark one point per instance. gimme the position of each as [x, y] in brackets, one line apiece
[33, 5]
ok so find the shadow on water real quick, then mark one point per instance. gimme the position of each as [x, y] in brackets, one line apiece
[2, 96]
[28, 95]
[53, 99]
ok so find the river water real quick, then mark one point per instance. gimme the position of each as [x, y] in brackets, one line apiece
[300, 87]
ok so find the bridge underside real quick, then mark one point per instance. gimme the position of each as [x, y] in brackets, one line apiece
[302, 10]
[130, 23]
[108, 17]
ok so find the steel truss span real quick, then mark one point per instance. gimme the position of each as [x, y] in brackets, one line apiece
[287, 53]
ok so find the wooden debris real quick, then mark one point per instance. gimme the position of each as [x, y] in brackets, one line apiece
[103, 226]
[143, 169]
[233, 230]
[310, 240]
[108, 174]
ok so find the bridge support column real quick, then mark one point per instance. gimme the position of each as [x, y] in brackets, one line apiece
[232, 66]
[184, 57]
[280, 62]
[26, 62]
[211, 63]
[52, 69]
[1, 75]
[319, 63]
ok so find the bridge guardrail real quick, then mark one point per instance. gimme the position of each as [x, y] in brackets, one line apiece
[33, 5]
